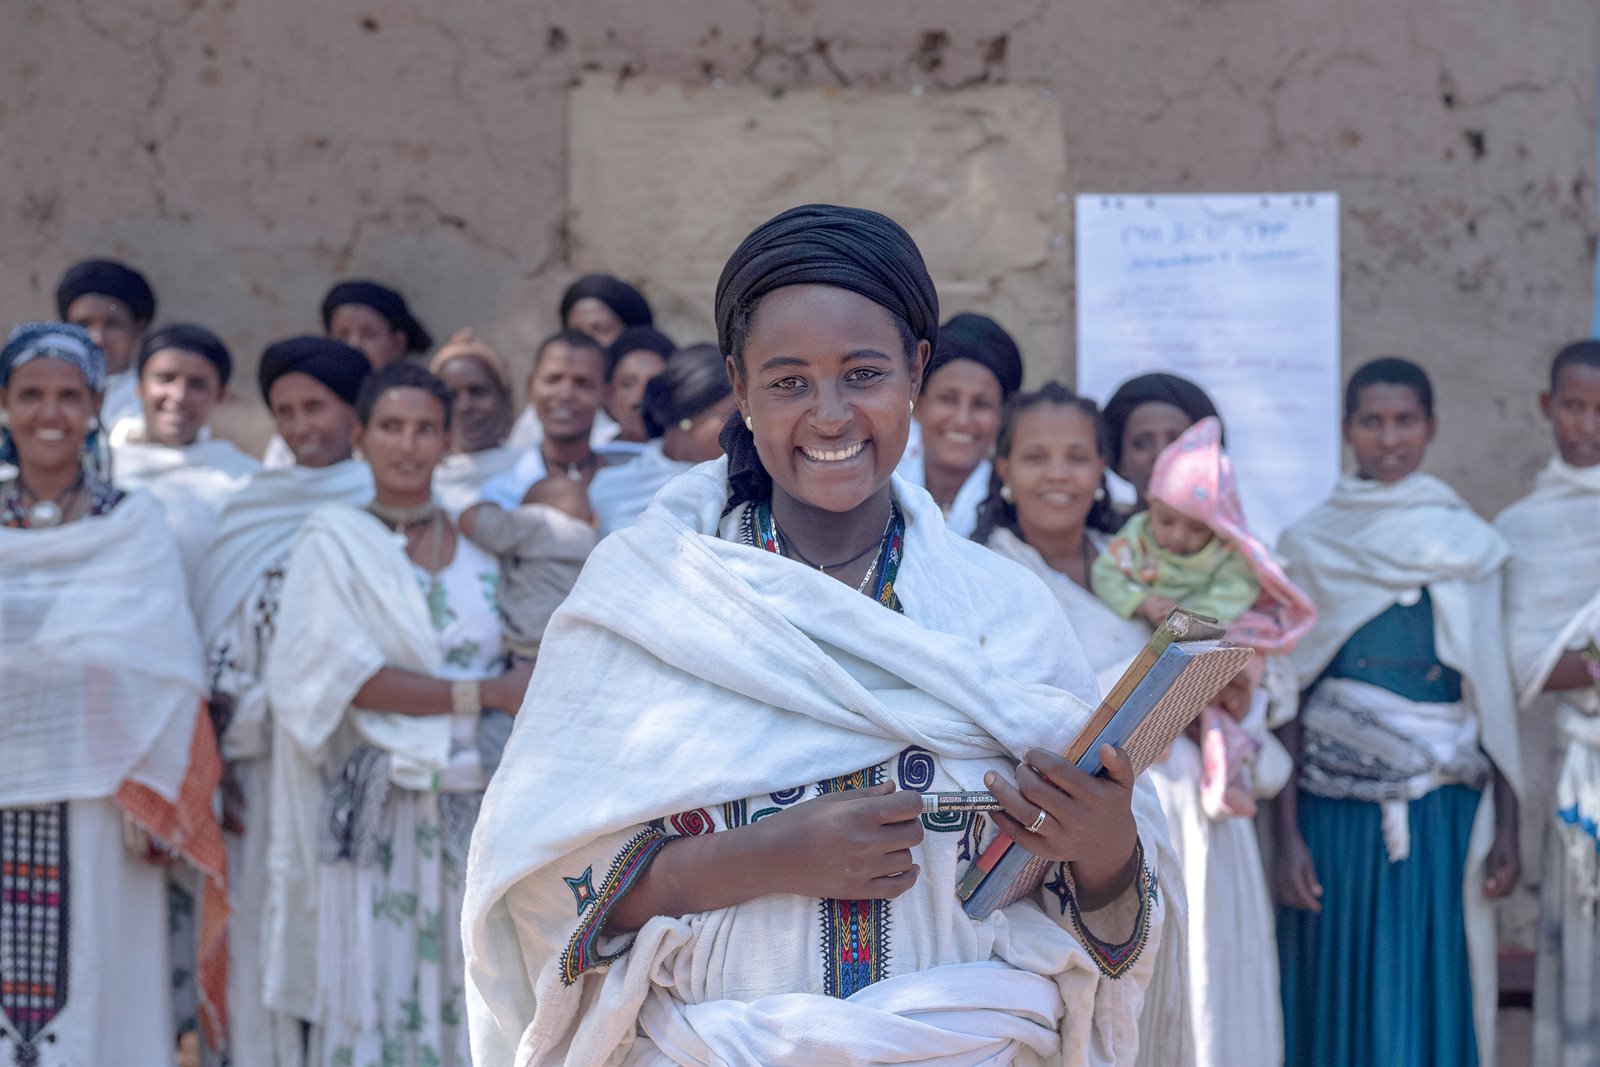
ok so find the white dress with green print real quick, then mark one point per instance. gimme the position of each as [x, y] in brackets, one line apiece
[414, 972]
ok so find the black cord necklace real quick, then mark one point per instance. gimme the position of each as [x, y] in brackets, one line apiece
[788, 545]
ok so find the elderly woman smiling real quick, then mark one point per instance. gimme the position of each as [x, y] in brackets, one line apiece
[772, 664]
[107, 766]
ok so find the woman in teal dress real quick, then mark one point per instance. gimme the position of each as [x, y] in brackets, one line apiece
[1400, 827]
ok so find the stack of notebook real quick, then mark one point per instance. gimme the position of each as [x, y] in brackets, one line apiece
[1182, 669]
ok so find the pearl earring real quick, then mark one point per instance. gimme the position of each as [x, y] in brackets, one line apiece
[1007, 495]
[1100, 493]
[750, 424]
[685, 425]
[913, 407]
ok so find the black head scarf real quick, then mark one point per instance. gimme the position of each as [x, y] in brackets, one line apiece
[696, 380]
[386, 302]
[985, 342]
[189, 338]
[626, 302]
[338, 366]
[1167, 388]
[634, 339]
[817, 244]
[106, 277]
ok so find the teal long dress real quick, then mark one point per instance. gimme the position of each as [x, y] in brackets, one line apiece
[1381, 974]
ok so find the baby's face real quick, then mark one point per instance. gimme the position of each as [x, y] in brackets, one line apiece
[1176, 532]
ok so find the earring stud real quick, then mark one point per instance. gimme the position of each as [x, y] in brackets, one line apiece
[1007, 495]
[750, 424]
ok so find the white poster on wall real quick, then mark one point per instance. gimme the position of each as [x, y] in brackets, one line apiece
[1239, 294]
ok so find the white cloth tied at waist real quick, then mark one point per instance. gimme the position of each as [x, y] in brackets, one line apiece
[1358, 733]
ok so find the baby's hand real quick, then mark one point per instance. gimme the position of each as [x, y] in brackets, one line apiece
[1155, 608]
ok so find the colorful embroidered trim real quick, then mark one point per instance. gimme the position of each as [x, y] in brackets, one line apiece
[35, 919]
[629, 864]
[855, 933]
[758, 529]
[1113, 960]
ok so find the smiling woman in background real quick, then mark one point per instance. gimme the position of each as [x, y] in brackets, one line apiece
[107, 764]
[115, 304]
[637, 355]
[1144, 416]
[480, 416]
[183, 370]
[1387, 864]
[975, 369]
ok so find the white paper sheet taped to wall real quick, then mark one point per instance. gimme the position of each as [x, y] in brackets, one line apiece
[1240, 294]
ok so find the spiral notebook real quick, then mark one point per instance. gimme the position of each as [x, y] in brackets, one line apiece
[1177, 674]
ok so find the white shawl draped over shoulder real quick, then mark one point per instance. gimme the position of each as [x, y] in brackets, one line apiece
[1371, 546]
[100, 666]
[350, 605]
[256, 526]
[192, 484]
[687, 670]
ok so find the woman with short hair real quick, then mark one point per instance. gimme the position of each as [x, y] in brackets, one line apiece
[772, 665]
[378, 691]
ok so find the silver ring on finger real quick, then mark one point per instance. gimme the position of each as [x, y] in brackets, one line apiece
[1038, 824]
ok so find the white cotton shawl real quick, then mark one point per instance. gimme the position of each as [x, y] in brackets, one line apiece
[619, 494]
[192, 484]
[674, 632]
[459, 478]
[1358, 554]
[99, 656]
[1110, 643]
[256, 527]
[350, 605]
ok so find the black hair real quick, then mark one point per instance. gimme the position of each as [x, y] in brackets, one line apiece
[996, 512]
[1578, 354]
[400, 375]
[637, 339]
[572, 339]
[696, 380]
[187, 337]
[1388, 370]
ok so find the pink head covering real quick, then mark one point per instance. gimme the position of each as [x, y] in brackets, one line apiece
[1194, 476]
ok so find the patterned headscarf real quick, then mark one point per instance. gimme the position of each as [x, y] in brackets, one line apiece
[54, 340]
[1194, 476]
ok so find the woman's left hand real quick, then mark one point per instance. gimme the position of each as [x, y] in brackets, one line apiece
[1088, 821]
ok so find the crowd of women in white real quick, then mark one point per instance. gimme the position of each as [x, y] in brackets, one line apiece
[322, 652]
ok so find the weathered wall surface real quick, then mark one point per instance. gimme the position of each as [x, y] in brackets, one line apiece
[247, 153]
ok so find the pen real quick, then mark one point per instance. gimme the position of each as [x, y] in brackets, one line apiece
[940, 803]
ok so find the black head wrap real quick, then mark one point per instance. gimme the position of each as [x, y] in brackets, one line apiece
[338, 366]
[106, 277]
[189, 338]
[386, 302]
[817, 244]
[626, 302]
[633, 339]
[696, 380]
[1167, 388]
[985, 342]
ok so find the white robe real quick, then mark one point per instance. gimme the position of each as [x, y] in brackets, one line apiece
[1361, 552]
[961, 517]
[192, 484]
[120, 400]
[618, 495]
[528, 432]
[720, 637]
[102, 683]
[459, 478]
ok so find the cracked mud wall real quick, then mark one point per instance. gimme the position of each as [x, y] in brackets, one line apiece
[245, 154]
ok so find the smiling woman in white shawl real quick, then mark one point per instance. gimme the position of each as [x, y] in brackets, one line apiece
[182, 372]
[479, 381]
[711, 848]
[388, 651]
[310, 385]
[107, 766]
[1391, 842]
[1553, 631]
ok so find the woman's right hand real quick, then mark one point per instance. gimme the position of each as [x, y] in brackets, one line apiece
[851, 845]
[505, 692]
[1296, 874]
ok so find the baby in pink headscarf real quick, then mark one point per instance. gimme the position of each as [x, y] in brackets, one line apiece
[1192, 550]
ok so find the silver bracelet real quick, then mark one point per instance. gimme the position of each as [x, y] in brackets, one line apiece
[466, 696]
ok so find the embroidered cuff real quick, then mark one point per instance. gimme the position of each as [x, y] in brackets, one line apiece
[594, 906]
[1114, 960]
